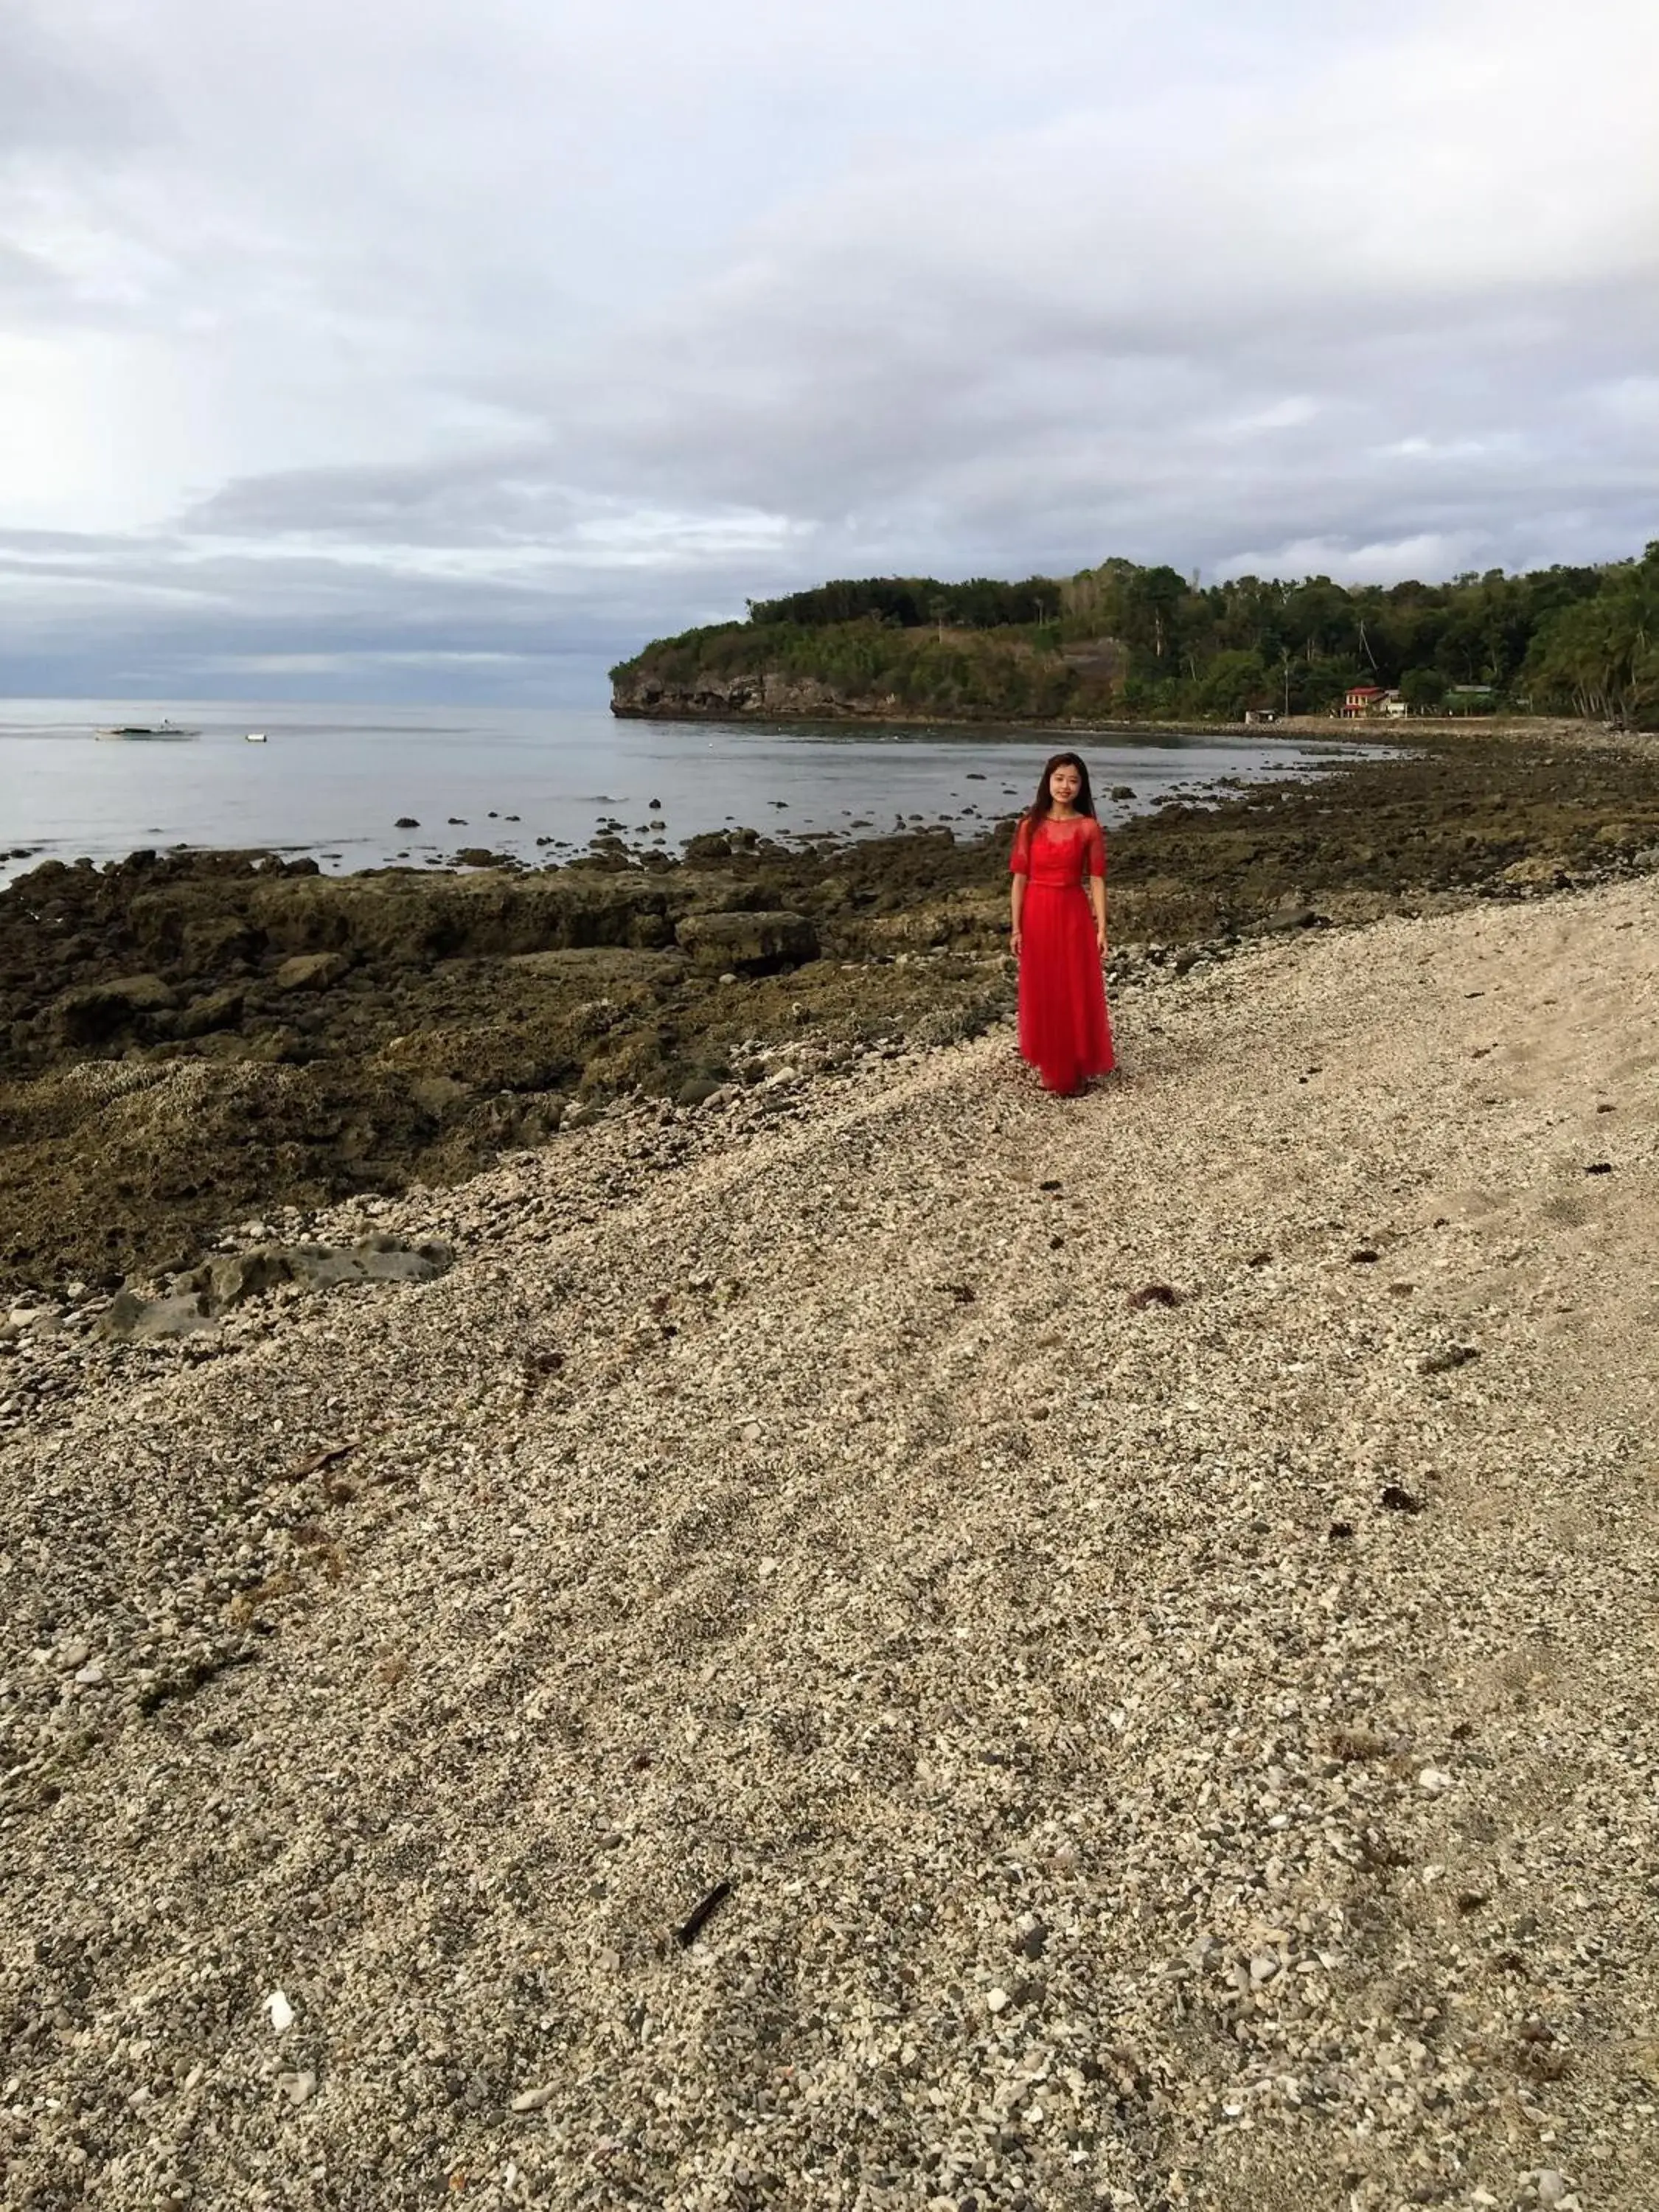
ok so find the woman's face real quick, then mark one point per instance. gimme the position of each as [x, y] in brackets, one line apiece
[1064, 785]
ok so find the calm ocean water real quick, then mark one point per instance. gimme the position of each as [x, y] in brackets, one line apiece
[331, 781]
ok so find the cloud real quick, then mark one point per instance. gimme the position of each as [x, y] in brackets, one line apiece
[459, 341]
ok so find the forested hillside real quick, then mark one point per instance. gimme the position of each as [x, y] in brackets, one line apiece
[1148, 643]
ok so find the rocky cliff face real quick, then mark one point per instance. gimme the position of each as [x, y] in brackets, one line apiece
[760, 693]
[861, 673]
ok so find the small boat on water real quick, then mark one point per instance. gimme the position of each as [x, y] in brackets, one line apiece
[137, 730]
[254, 737]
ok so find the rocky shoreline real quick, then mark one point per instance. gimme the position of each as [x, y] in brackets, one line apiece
[196, 1038]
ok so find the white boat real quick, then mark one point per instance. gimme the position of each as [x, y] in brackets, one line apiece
[138, 730]
[254, 737]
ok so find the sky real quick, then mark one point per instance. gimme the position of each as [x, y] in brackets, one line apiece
[451, 349]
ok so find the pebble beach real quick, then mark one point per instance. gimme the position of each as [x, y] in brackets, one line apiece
[887, 1641]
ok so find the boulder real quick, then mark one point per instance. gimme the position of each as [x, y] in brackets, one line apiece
[311, 971]
[96, 1012]
[278, 1044]
[217, 942]
[155, 1321]
[439, 1095]
[376, 1260]
[218, 1010]
[244, 1275]
[1538, 870]
[749, 943]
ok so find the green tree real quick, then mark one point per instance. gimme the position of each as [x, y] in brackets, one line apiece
[1233, 681]
[1320, 621]
[1601, 656]
[1423, 689]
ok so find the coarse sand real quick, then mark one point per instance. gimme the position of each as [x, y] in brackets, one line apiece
[1137, 1618]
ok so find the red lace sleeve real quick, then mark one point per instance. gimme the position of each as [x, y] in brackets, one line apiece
[1094, 851]
[1019, 863]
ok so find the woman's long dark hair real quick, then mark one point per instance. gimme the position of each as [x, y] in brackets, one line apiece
[1044, 802]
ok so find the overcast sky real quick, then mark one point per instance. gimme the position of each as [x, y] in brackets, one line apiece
[450, 349]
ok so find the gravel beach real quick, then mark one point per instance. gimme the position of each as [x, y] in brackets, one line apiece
[886, 1641]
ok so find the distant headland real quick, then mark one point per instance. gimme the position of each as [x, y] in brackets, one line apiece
[1121, 641]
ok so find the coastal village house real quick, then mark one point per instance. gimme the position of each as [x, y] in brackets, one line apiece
[1365, 699]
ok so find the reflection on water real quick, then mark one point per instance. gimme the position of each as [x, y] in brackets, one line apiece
[335, 780]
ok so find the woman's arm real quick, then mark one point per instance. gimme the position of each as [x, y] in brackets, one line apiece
[1016, 906]
[1097, 900]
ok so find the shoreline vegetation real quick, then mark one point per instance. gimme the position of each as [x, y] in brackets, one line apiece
[197, 1038]
[1122, 642]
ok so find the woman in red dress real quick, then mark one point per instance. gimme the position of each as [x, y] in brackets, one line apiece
[1059, 931]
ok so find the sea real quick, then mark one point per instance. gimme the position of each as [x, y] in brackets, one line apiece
[359, 787]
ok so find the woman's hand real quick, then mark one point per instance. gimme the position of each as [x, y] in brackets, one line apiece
[1100, 938]
[1014, 936]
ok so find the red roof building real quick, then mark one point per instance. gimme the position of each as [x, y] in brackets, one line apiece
[1361, 699]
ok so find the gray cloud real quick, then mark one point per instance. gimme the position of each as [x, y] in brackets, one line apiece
[397, 345]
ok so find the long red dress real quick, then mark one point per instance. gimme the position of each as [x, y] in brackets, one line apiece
[1065, 1030]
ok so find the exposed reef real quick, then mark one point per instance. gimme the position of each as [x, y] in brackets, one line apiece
[191, 1039]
